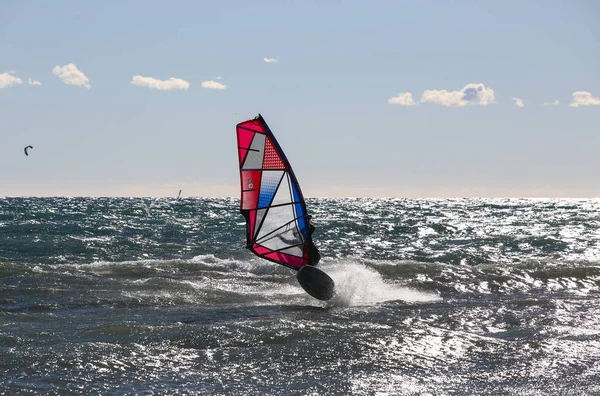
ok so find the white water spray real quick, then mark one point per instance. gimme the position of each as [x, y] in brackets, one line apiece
[359, 285]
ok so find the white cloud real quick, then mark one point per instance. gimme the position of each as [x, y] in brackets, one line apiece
[219, 78]
[162, 85]
[519, 102]
[213, 85]
[271, 60]
[7, 79]
[553, 103]
[403, 99]
[470, 94]
[583, 98]
[71, 75]
[34, 82]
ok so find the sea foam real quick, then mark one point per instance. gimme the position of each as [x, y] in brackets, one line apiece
[359, 285]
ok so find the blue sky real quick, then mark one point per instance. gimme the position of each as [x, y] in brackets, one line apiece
[381, 98]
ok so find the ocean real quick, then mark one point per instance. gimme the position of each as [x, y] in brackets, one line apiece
[434, 297]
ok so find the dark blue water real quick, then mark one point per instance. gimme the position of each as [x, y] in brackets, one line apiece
[434, 296]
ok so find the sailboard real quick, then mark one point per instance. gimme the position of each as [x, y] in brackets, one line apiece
[179, 196]
[278, 226]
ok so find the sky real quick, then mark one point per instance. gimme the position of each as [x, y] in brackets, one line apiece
[380, 98]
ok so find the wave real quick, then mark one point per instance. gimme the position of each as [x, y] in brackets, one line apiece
[207, 280]
[359, 285]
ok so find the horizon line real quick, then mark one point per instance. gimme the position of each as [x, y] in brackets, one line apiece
[314, 197]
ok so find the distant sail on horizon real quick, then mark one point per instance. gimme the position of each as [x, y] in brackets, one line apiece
[278, 227]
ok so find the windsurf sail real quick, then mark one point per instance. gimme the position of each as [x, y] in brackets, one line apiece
[278, 226]
[179, 196]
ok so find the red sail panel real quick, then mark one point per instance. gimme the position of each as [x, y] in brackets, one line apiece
[253, 125]
[250, 188]
[279, 257]
[272, 158]
[244, 140]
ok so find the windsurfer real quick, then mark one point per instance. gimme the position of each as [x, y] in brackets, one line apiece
[313, 253]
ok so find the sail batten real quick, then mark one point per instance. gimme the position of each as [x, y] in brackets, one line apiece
[277, 223]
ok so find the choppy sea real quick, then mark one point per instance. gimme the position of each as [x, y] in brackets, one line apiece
[434, 297]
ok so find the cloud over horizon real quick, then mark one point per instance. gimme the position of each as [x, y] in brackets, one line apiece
[518, 102]
[71, 75]
[8, 79]
[33, 82]
[271, 60]
[162, 85]
[471, 94]
[403, 99]
[584, 98]
[210, 84]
